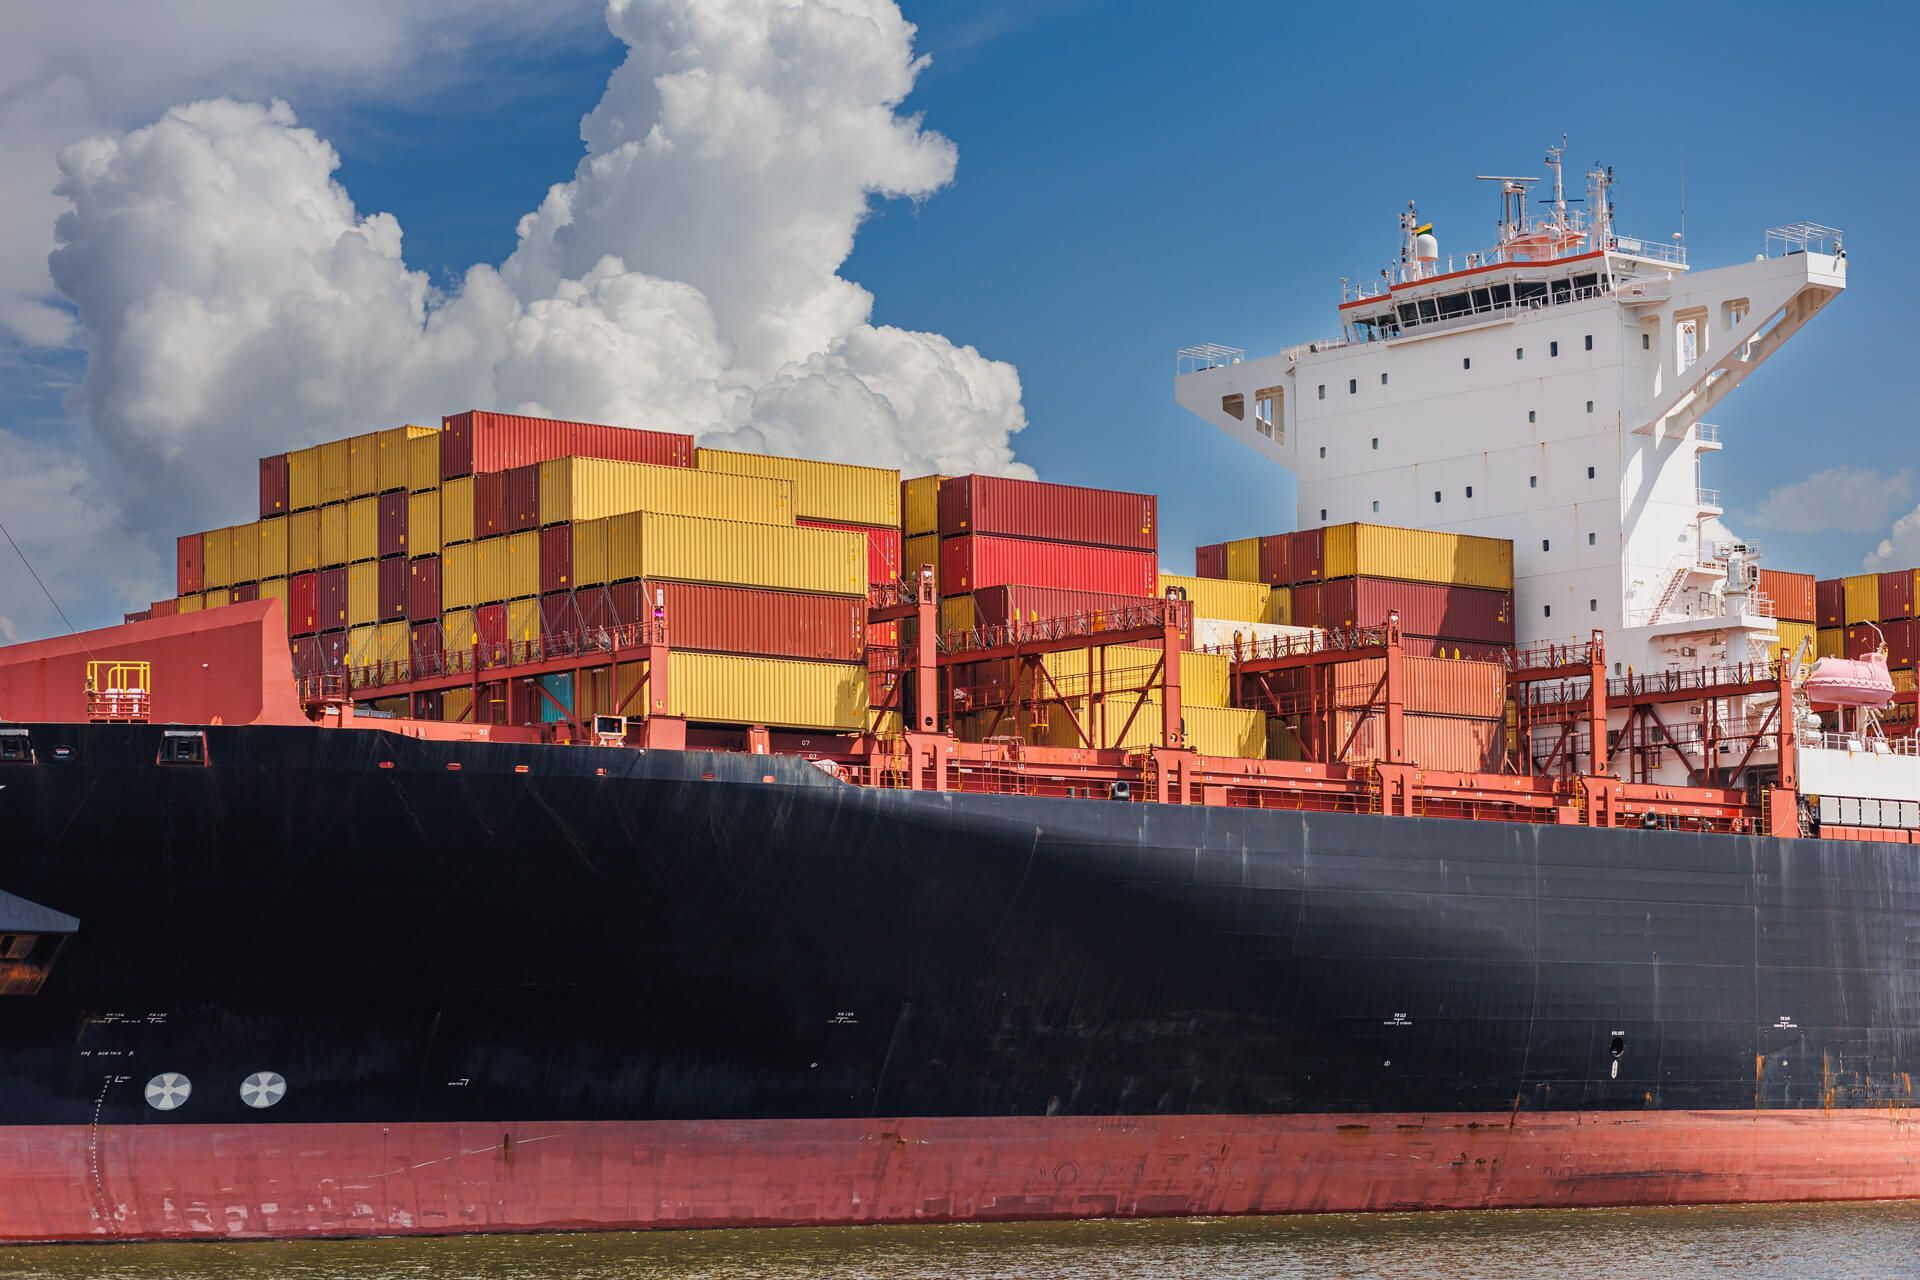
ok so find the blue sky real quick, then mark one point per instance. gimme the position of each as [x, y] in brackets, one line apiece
[1130, 181]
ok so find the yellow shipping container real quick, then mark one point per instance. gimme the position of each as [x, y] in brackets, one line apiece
[1203, 676]
[958, 613]
[275, 589]
[363, 465]
[216, 552]
[273, 547]
[724, 688]
[456, 706]
[188, 604]
[246, 552]
[490, 572]
[821, 490]
[458, 629]
[423, 523]
[1905, 679]
[1212, 731]
[303, 541]
[1793, 635]
[363, 529]
[1227, 599]
[1417, 555]
[1832, 642]
[459, 588]
[645, 544]
[423, 462]
[363, 593]
[363, 646]
[1863, 598]
[573, 489]
[393, 456]
[523, 620]
[523, 563]
[920, 506]
[333, 471]
[1279, 606]
[456, 510]
[333, 534]
[922, 549]
[1243, 560]
[590, 553]
[303, 479]
[394, 646]
[886, 724]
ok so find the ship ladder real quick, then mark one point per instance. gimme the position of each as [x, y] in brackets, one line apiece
[1376, 789]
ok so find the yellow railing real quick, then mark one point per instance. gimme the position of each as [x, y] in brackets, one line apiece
[119, 689]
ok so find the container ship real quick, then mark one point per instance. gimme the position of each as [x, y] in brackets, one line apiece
[536, 825]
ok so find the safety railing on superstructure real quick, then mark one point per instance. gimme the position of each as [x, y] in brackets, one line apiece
[1803, 237]
[1089, 623]
[491, 660]
[1205, 355]
[1674, 254]
[1905, 745]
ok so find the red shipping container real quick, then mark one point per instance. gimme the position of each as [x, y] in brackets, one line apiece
[490, 632]
[1427, 609]
[561, 614]
[330, 652]
[1791, 593]
[1863, 640]
[162, 608]
[427, 642]
[393, 523]
[1051, 512]
[246, 591]
[303, 604]
[1460, 744]
[1830, 602]
[523, 498]
[1210, 561]
[489, 503]
[978, 560]
[423, 588]
[631, 602]
[883, 547]
[480, 441]
[1453, 650]
[138, 615]
[1903, 640]
[556, 558]
[778, 624]
[998, 606]
[1276, 559]
[393, 588]
[1309, 605]
[306, 655]
[594, 607]
[333, 598]
[1896, 596]
[189, 565]
[274, 486]
[1433, 686]
[1308, 551]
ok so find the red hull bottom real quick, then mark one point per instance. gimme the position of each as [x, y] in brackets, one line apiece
[160, 1181]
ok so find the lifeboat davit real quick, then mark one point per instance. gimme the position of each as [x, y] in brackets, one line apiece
[1850, 682]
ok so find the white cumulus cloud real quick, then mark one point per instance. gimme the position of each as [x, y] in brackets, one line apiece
[1900, 549]
[234, 301]
[1842, 499]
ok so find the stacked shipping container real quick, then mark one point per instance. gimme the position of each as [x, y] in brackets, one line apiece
[1857, 614]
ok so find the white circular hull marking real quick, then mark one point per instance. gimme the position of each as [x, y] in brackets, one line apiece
[168, 1090]
[262, 1089]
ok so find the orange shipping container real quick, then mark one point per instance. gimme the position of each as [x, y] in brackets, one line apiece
[1436, 686]
[1454, 743]
[1791, 593]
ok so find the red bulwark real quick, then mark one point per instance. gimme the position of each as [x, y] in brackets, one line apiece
[161, 1181]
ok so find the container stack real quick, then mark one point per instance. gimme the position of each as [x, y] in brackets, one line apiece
[1856, 612]
[499, 534]
[1455, 716]
[1792, 597]
[1227, 612]
[1453, 592]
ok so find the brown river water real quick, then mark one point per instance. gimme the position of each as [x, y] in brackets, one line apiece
[1801, 1242]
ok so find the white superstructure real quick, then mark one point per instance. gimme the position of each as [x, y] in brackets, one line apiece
[1552, 389]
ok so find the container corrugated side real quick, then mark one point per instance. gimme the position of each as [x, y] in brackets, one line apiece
[217, 547]
[333, 598]
[958, 613]
[590, 564]
[459, 630]
[363, 465]
[274, 589]
[394, 644]
[1243, 560]
[189, 603]
[1203, 676]
[1418, 555]
[303, 604]
[918, 551]
[189, 564]
[1279, 606]
[645, 544]
[523, 563]
[1211, 731]
[920, 506]
[395, 456]
[753, 620]
[823, 490]
[489, 503]
[1792, 594]
[393, 588]
[246, 552]
[979, 560]
[523, 620]
[363, 529]
[573, 489]
[273, 562]
[883, 547]
[479, 441]
[1210, 561]
[392, 522]
[522, 498]
[1276, 559]
[456, 511]
[303, 541]
[423, 588]
[1053, 512]
[459, 581]
[1830, 602]
[556, 558]
[1896, 596]
[1221, 598]
[333, 472]
[303, 479]
[332, 525]
[786, 693]
[273, 485]
[492, 579]
[423, 523]
[1433, 686]
[363, 593]
[1862, 592]
[1793, 635]
[423, 462]
[1452, 743]
[363, 646]
[1425, 608]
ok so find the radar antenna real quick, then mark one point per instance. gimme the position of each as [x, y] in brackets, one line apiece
[1513, 203]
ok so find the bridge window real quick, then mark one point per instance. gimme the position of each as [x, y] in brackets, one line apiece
[1383, 379]
[1436, 495]
[1593, 606]
[1533, 482]
[1646, 342]
[1353, 386]
[1323, 391]
[1469, 491]
[1269, 405]
[1466, 362]
[1546, 544]
[1589, 342]
[1589, 473]
[1553, 349]
[1549, 610]
[1376, 506]
[1532, 416]
[1323, 513]
[1519, 353]
[1590, 540]
[1323, 451]
[1376, 442]
[1589, 406]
